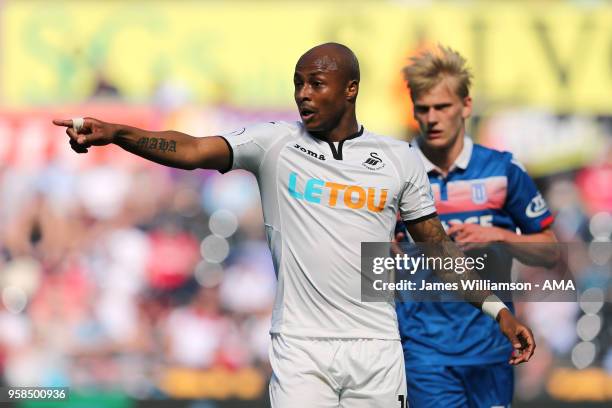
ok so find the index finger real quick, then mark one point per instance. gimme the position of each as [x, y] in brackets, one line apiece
[63, 122]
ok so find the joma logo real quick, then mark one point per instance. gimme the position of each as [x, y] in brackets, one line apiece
[310, 152]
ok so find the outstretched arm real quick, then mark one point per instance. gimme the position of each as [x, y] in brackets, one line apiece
[431, 231]
[170, 148]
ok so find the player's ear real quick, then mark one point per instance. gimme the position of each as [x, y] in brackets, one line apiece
[352, 90]
[467, 107]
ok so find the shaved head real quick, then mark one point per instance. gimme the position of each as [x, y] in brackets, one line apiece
[333, 57]
[326, 81]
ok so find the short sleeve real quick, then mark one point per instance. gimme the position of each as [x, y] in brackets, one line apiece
[249, 145]
[416, 202]
[525, 204]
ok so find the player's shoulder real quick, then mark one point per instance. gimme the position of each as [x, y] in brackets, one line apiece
[483, 152]
[488, 155]
[279, 126]
[288, 125]
[291, 129]
[267, 133]
[388, 143]
[501, 158]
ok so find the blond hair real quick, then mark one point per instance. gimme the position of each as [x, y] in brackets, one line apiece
[427, 69]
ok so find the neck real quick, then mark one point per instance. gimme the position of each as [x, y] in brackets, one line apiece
[444, 157]
[346, 127]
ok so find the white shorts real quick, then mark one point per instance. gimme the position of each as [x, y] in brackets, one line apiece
[336, 373]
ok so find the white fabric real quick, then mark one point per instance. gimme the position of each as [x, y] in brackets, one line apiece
[315, 236]
[492, 305]
[333, 373]
[77, 123]
[461, 162]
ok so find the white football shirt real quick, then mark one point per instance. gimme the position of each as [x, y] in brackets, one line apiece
[320, 201]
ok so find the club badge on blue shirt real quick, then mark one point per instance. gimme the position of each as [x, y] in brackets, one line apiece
[479, 193]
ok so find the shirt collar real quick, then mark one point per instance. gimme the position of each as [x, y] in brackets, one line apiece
[461, 162]
[353, 136]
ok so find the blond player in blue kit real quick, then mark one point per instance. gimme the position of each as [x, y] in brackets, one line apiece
[482, 196]
[327, 184]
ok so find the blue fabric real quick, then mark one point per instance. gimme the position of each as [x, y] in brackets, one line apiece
[460, 386]
[456, 333]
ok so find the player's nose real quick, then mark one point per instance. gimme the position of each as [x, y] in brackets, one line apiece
[302, 93]
[432, 117]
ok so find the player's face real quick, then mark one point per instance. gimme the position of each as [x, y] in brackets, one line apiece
[320, 94]
[441, 114]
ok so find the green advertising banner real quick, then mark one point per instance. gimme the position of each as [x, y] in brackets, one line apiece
[551, 55]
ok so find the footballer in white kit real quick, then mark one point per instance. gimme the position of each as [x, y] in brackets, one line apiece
[327, 185]
[320, 201]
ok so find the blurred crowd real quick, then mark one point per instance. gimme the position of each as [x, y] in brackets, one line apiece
[574, 353]
[122, 276]
[111, 277]
[144, 278]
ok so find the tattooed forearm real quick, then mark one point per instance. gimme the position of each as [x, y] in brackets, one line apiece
[174, 149]
[154, 143]
[431, 232]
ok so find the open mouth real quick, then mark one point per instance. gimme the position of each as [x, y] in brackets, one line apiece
[307, 113]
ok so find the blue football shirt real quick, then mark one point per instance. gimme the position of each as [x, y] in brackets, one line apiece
[490, 188]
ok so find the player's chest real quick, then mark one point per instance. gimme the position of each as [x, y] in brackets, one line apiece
[350, 178]
[469, 195]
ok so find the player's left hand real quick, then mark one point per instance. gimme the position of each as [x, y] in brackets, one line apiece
[472, 236]
[520, 337]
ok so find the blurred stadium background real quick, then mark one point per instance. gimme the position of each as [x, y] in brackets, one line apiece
[138, 285]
